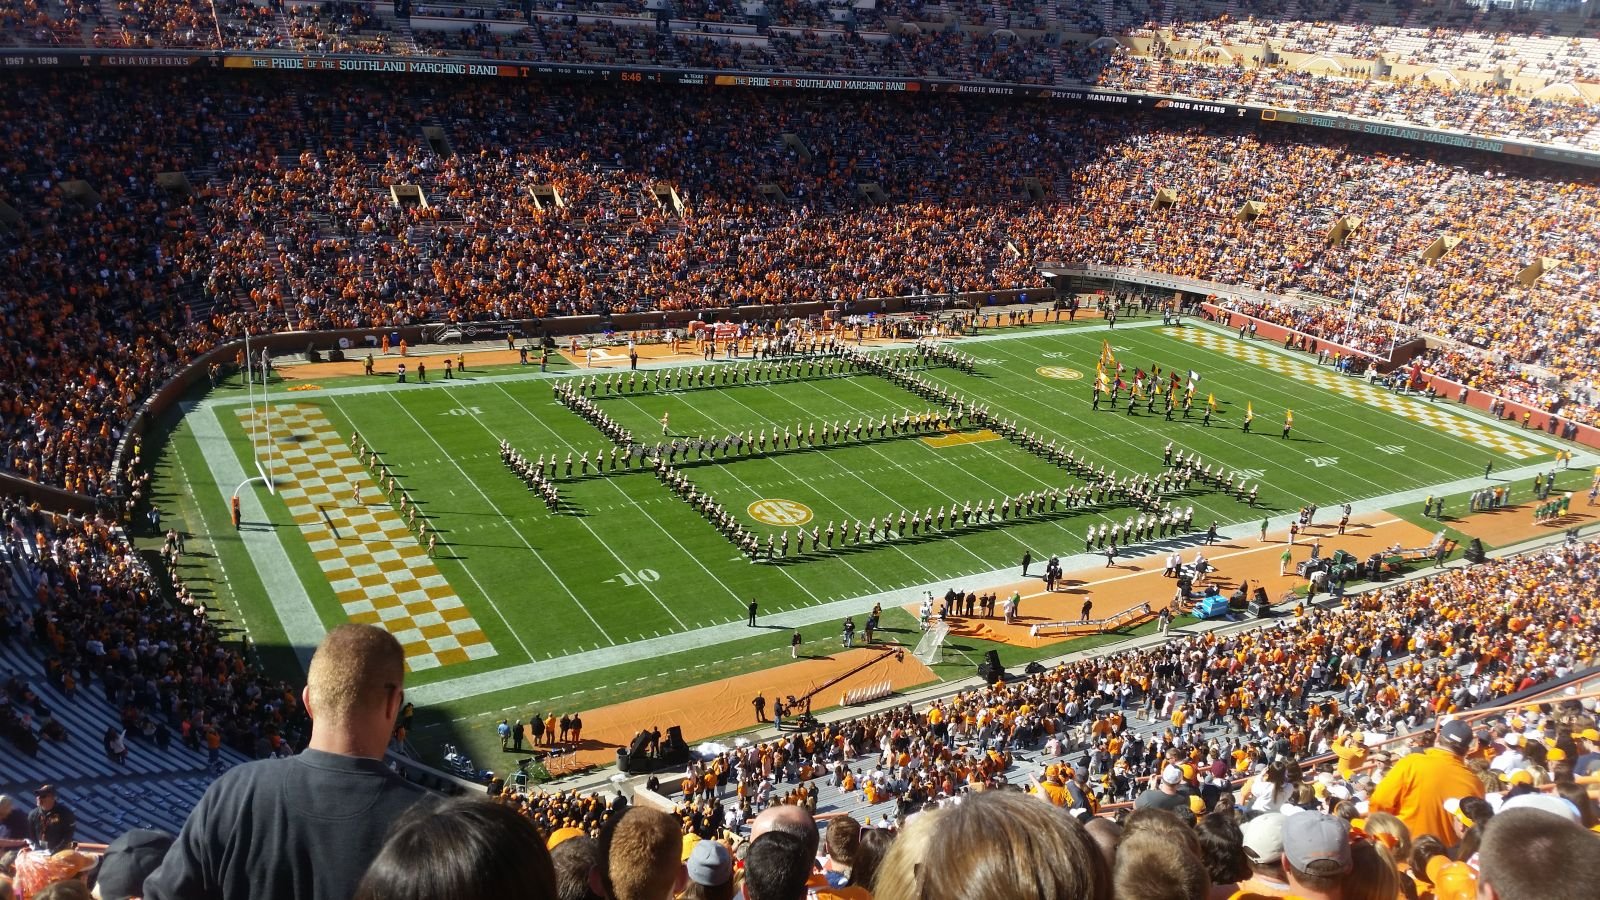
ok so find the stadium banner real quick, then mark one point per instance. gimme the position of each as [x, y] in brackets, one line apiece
[482, 68]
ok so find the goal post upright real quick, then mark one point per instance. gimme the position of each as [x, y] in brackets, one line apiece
[259, 424]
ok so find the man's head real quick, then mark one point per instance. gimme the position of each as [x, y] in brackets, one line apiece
[1316, 853]
[1149, 868]
[1263, 843]
[789, 819]
[1107, 836]
[577, 862]
[1171, 778]
[1530, 854]
[644, 855]
[354, 689]
[128, 862]
[1455, 736]
[841, 841]
[776, 867]
[45, 796]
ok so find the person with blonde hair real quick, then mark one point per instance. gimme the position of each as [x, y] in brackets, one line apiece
[305, 826]
[1389, 831]
[1373, 875]
[993, 844]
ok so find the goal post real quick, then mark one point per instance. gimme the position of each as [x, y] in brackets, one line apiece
[931, 646]
[262, 450]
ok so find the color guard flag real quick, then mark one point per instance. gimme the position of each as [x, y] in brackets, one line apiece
[1249, 410]
[1288, 417]
[1211, 401]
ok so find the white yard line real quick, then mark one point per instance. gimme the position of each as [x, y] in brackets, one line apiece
[445, 454]
[285, 591]
[783, 569]
[1159, 437]
[874, 489]
[983, 448]
[1532, 435]
[639, 509]
[476, 418]
[1329, 412]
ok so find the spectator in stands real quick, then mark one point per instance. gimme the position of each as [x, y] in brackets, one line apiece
[52, 825]
[1222, 851]
[1416, 789]
[1168, 794]
[643, 851]
[578, 866]
[840, 844]
[1149, 868]
[710, 871]
[777, 867]
[464, 848]
[1528, 854]
[872, 847]
[1263, 846]
[128, 861]
[948, 853]
[13, 820]
[1316, 856]
[305, 826]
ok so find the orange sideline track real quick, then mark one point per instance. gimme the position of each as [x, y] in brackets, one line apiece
[1132, 582]
[1514, 524]
[723, 707]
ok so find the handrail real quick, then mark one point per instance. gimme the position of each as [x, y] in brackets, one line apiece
[1102, 625]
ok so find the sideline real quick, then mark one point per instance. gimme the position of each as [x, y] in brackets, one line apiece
[286, 593]
[920, 698]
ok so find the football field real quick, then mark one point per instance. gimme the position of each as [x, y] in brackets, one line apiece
[624, 580]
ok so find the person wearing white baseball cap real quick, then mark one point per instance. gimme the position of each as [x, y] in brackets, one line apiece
[1168, 794]
[1316, 855]
[1417, 787]
[1263, 846]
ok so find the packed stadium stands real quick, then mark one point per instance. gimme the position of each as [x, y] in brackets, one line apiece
[283, 218]
[288, 222]
[1298, 711]
[1526, 75]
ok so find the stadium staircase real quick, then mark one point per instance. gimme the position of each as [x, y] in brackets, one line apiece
[280, 28]
[150, 788]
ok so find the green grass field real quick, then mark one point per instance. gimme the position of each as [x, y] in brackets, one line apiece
[628, 590]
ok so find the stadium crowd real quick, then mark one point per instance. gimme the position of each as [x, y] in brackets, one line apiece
[1021, 43]
[290, 223]
[1240, 752]
[102, 622]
